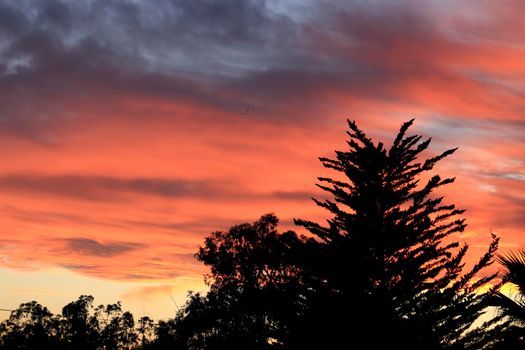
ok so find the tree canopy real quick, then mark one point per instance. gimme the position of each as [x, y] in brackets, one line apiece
[79, 326]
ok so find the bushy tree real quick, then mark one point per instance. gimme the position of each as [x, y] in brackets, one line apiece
[254, 284]
[116, 328]
[31, 326]
[389, 262]
[79, 329]
[80, 326]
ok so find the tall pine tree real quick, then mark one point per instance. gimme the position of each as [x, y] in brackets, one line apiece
[388, 267]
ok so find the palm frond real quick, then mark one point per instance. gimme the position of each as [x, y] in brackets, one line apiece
[508, 306]
[514, 268]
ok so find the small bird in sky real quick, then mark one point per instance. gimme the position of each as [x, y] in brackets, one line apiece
[247, 110]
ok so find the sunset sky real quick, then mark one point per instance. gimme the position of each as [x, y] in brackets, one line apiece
[131, 129]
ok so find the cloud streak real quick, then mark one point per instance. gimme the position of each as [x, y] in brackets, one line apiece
[102, 188]
[86, 246]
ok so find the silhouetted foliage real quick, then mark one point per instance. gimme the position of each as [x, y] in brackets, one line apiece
[254, 289]
[385, 264]
[80, 326]
[384, 272]
[146, 332]
[511, 306]
[165, 337]
[31, 326]
[387, 257]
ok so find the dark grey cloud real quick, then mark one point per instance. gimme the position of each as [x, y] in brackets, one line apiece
[55, 53]
[83, 268]
[202, 225]
[12, 20]
[470, 133]
[160, 47]
[504, 175]
[168, 36]
[513, 214]
[220, 40]
[104, 188]
[269, 55]
[291, 195]
[98, 271]
[195, 226]
[101, 188]
[53, 217]
[86, 246]
[456, 127]
[198, 227]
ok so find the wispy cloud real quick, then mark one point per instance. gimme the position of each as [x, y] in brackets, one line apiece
[103, 188]
[86, 246]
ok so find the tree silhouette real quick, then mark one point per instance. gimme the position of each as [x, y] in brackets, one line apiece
[80, 326]
[116, 328]
[254, 284]
[165, 337]
[385, 265]
[385, 271]
[512, 307]
[31, 326]
[388, 263]
[514, 273]
[146, 332]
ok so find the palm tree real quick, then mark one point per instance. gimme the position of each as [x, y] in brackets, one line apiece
[512, 305]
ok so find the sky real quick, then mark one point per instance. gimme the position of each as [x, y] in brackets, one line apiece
[131, 129]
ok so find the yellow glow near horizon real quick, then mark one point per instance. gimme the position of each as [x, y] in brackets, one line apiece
[54, 288]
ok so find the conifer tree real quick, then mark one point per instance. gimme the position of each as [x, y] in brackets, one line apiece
[389, 267]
